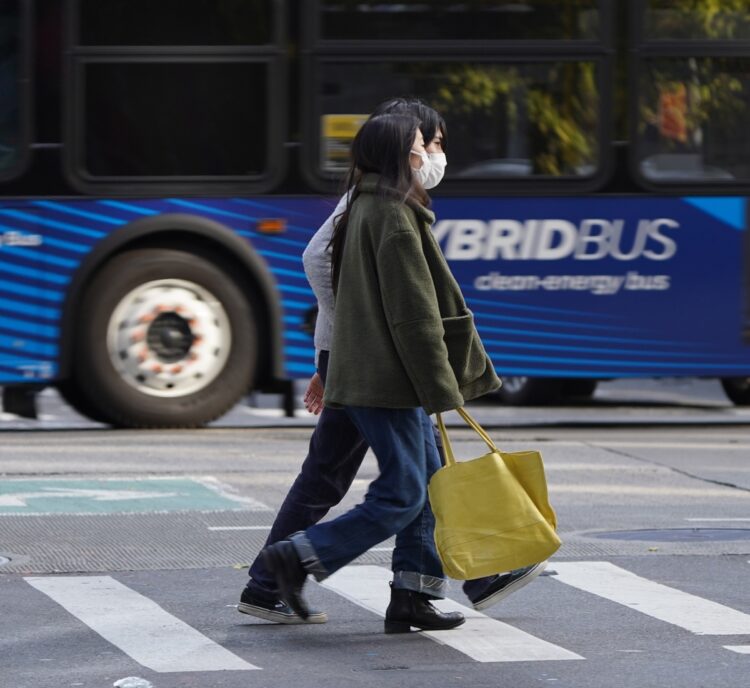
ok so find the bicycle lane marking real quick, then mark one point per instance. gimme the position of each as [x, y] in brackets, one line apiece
[119, 495]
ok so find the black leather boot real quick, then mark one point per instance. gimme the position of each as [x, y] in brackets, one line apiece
[409, 608]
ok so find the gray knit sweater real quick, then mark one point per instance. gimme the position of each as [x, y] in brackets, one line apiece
[317, 262]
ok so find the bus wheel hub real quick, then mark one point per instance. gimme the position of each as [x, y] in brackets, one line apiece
[169, 338]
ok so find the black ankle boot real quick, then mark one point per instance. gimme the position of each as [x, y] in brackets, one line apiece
[409, 608]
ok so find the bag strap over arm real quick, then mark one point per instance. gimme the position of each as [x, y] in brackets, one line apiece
[450, 458]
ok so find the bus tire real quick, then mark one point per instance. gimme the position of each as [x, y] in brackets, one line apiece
[529, 391]
[737, 389]
[71, 394]
[167, 339]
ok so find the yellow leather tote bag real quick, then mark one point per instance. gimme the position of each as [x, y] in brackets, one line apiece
[492, 514]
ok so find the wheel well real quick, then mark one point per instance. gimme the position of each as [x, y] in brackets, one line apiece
[227, 250]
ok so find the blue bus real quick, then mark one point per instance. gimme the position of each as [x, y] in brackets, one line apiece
[163, 163]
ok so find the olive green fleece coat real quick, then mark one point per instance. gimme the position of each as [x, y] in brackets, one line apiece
[402, 336]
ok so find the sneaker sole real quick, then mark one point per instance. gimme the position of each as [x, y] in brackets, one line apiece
[513, 587]
[278, 617]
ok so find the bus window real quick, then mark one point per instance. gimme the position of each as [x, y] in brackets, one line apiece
[475, 20]
[175, 22]
[506, 120]
[175, 119]
[175, 93]
[697, 20]
[692, 120]
[10, 102]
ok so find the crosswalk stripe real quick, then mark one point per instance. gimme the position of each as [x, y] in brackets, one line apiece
[481, 638]
[137, 625]
[213, 528]
[682, 609]
[741, 649]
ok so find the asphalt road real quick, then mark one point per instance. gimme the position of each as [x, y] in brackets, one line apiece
[123, 553]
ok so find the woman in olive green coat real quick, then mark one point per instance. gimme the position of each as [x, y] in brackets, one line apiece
[403, 343]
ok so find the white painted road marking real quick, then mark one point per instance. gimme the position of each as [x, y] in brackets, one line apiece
[647, 490]
[667, 445]
[717, 520]
[157, 640]
[481, 638]
[20, 499]
[230, 493]
[239, 527]
[137, 625]
[679, 608]
[638, 444]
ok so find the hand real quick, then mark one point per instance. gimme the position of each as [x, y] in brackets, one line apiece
[314, 395]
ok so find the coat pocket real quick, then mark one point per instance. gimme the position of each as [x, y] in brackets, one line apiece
[466, 353]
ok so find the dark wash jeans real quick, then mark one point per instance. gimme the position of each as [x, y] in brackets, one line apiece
[334, 456]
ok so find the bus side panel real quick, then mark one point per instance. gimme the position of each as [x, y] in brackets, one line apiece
[603, 287]
[746, 265]
[569, 287]
[32, 284]
[560, 287]
[61, 233]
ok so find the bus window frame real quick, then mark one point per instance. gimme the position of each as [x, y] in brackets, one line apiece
[278, 33]
[25, 83]
[316, 51]
[312, 39]
[642, 50]
[273, 55]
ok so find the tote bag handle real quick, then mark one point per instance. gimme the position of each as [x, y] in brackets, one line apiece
[450, 458]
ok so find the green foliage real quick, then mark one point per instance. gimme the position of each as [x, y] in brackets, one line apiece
[725, 19]
[560, 102]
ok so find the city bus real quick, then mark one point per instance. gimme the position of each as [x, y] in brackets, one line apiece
[163, 164]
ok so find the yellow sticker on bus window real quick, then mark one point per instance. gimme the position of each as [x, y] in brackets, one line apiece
[337, 133]
[342, 126]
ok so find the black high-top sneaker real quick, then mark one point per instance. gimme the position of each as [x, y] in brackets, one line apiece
[274, 609]
[282, 561]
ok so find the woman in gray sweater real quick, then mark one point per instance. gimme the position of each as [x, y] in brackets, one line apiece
[403, 341]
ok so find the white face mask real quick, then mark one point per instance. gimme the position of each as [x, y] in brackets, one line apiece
[432, 170]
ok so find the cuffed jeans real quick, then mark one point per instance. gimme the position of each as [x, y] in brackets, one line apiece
[403, 442]
[334, 456]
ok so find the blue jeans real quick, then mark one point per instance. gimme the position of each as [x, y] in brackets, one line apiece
[335, 454]
[396, 503]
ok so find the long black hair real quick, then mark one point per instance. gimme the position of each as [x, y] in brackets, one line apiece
[431, 121]
[381, 146]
